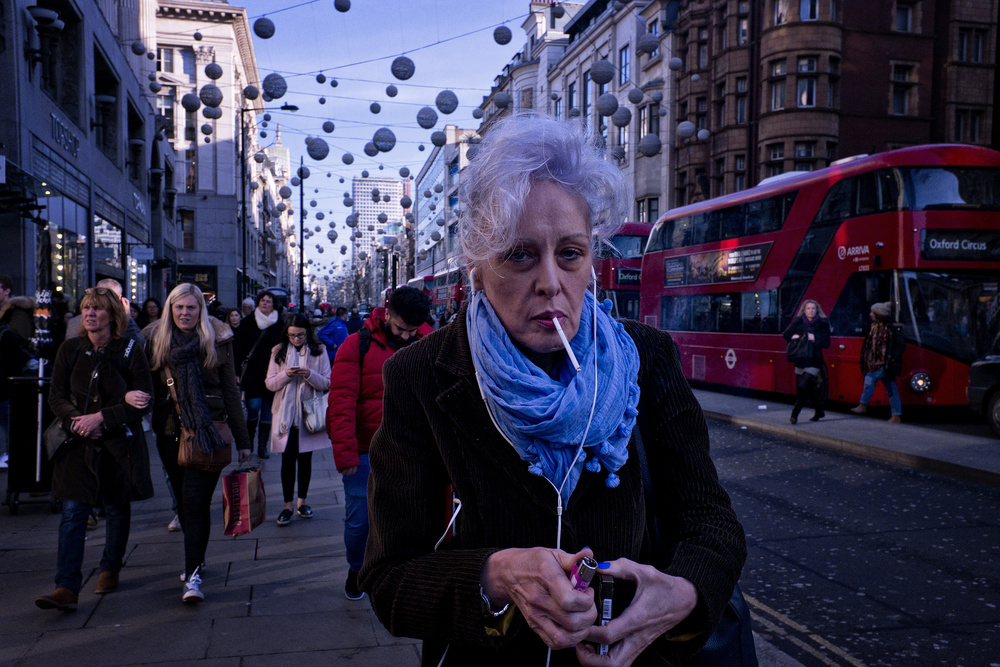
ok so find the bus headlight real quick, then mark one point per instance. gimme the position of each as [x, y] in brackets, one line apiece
[920, 382]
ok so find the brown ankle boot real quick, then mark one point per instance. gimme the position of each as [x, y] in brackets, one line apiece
[107, 583]
[895, 419]
[62, 599]
[860, 409]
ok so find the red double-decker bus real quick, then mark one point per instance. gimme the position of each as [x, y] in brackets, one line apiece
[919, 227]
[618, 266]
[423, 283]
[449, 291]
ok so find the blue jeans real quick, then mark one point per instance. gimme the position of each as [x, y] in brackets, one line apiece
[891, 390]
[259, 419]
[73, 534]
[356, 517]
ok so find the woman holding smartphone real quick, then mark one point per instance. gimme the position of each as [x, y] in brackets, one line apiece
[299, 369]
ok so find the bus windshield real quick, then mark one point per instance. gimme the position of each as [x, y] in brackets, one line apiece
[622, 246]
[939, 188]
[955, 314]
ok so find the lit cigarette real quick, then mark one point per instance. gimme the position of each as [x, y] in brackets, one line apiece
[569, 350]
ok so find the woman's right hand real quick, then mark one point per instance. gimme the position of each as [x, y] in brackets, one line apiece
[137, 399]
[795, 336]
[537, 581]
[291, 372]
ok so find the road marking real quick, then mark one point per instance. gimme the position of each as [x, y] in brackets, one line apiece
[783, 622]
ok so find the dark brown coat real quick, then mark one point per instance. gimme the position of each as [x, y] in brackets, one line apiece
[436, 428]
[115, 467]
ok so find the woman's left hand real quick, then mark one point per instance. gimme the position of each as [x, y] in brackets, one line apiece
[89, 426]
[661, 601]
[244, 455]
[811, 337]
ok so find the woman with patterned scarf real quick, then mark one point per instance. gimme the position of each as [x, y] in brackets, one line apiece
[882, 359]
[196, 351]
[527, 406]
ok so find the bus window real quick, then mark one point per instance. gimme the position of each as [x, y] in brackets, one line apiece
[627, 247]
[732, 221]
[850, 314]
[727, 312]
[759, 312]
[945, 188]
[836, 205]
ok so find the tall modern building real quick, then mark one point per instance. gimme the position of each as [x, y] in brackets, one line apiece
[377, 249]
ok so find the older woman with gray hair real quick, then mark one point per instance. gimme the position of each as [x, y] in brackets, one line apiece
[527, 407]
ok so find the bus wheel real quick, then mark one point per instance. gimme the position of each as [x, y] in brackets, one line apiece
[993, 413]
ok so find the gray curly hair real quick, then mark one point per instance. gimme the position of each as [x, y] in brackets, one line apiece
[526, 149]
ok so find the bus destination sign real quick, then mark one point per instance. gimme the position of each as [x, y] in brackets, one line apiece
[629, 277]
[716, 266]
[973, 245]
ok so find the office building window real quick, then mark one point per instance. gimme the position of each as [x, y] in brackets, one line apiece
[721, 38]
[808, 10]
[740, 162]
[743, 31]
[775, 169]
[803, 149]
[191, 175]
[166, 103]
[571, 96]
[776, 151]
[968, 125]
[701, 115]
[807, 64]
[803, 166]
[642, 119]
[623, 139]
[741, 109]
[654, 119]
[970, 45]
[806, 92]
[653, 28]
[164, 60]
[720, 105]
[778, 95]
[778, 68]
[585, 97]
[739, 182]
[557, 108]
[623, 65]
[780, 11]
[187, 228]
[903, 89]
[904, 17]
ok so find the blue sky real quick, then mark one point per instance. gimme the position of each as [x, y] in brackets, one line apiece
[450, 43]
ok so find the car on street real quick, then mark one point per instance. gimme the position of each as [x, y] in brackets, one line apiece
[984, 389]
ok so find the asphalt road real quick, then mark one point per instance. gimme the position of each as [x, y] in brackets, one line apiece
[862, 564]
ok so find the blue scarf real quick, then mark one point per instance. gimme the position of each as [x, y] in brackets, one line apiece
[545, 419]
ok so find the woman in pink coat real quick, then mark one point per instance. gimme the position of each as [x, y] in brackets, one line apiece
[299, 370]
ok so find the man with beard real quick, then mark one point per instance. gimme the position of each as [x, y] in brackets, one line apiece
[354, 412]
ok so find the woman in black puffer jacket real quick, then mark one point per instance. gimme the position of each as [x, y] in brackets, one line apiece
[811, 380]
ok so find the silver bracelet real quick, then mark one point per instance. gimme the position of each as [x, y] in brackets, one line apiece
[488, 606]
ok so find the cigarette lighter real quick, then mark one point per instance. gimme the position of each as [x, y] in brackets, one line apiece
[583, 572]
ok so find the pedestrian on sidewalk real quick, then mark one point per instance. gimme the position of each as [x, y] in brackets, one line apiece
[257, 334]
[194, 352]
[541, 443]
[100, 389]
[812, 330]
[355, 408]
[334, 333]
[882, 359]
[299, 370]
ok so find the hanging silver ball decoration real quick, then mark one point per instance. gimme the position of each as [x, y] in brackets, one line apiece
[647, 43]
[322, 100]
[341, 179]
[602, 72]
[275, 85]
[370, 149]
[439, 221]
[439, 139]
[150, 55]
[264, 28]
[607, 104]
[385, 198]
[472, 152]
[618, 153]
[662, 112]
[321, 78]
[191, 102]
[446, 101]
[617, 5]
[342, 5]
[251, 92]
[212, 113]
[319, 216]
[427, 194]
[328, 126]
[138, 48]
[502, 100]
[312, 204]
[263, 135]
[635, 96]
[477, 113]
[420, 147]
[348, 202]
[574, 113]
[254, 185]
[197, 36]
[427, 118]
[375, 193]
[405, 202]
[284, 192]
[649, 145]
[259, 157]
[317, 148]
[554, 96]
[383, 218]
[213, 71]
[206, 129]
[436, 235]
[656, 96]
[384, 139]
[347, 158]
[210, 95]
[438, 188]
[502, 35]
[402, 68]
[295, 181]
[152, 76]
[558, 11]
[333, 83]
[304, 172]
[375, 107]
[364, 174]
[391, 90]
[404, 172]
[622, 117]
[155, 86]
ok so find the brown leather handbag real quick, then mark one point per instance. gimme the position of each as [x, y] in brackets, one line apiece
[188, 454]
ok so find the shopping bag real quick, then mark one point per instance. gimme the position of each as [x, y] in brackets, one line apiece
[243, 501]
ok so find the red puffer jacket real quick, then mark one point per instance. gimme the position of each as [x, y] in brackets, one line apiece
[354, 411]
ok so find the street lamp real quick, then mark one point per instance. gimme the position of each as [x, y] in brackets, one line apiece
[243, 191]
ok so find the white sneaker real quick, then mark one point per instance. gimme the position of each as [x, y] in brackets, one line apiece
[174, 525]
[3, 461]
[201, 568]
[192, 589]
